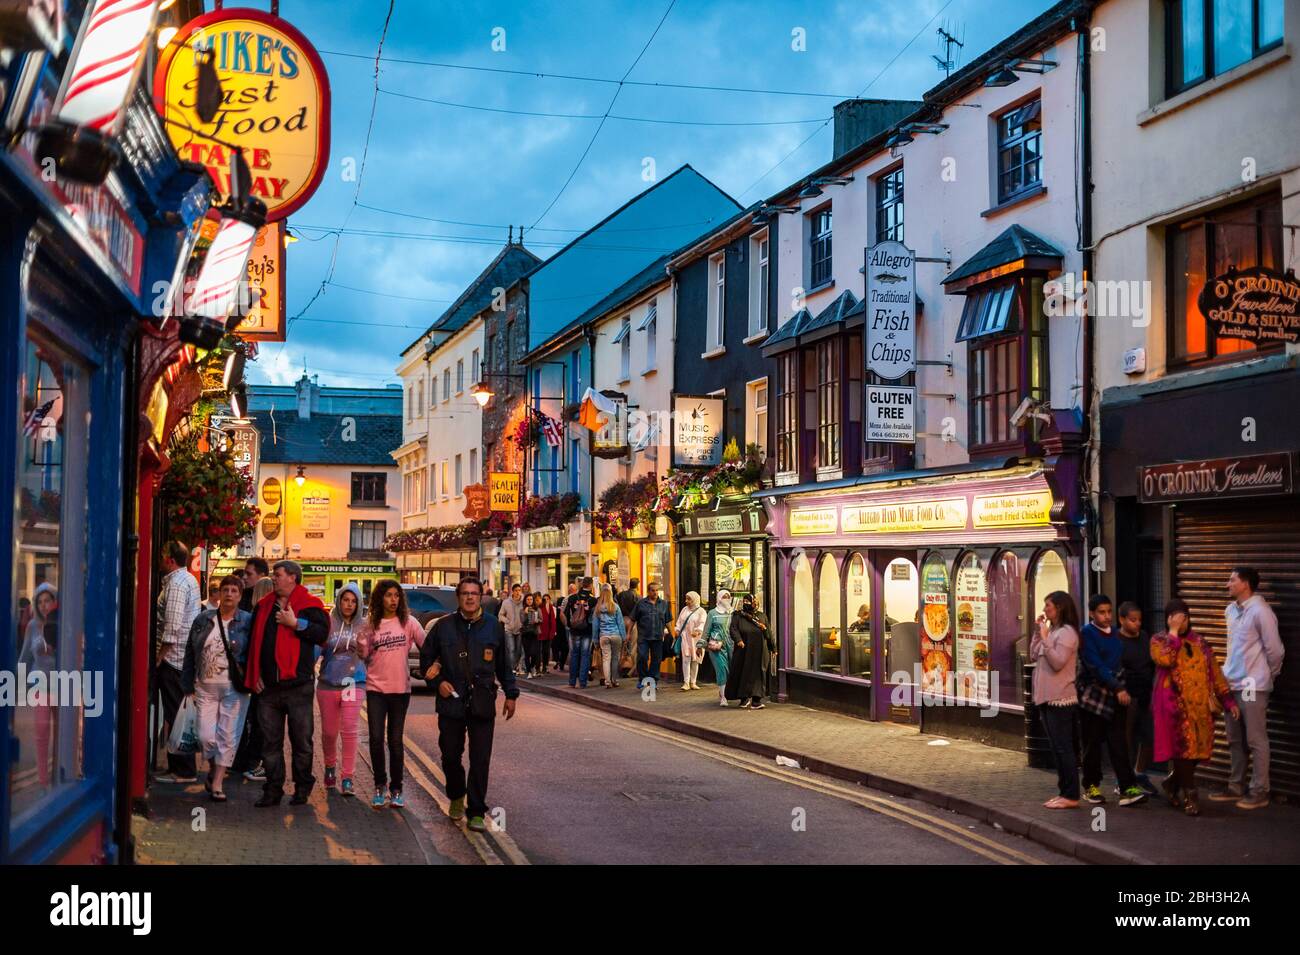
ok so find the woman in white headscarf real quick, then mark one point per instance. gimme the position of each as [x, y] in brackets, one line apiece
[689, 632]
[717, 641]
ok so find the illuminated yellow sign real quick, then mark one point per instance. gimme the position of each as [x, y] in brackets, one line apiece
[903, 517]
[1014, 510]
[275, 104]
[503, 490]
[813, 520]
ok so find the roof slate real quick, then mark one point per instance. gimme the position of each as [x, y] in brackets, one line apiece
[287, 439]
[1015, 242]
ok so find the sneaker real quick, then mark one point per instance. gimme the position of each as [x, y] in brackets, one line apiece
[477, 824]
[329, 777]
[174, 778]
[1147, 785]
[395, 799]
[757, 705]
[1254, 800]
[1227, 794]
[456, 812]
[1133, 796]
[1093, 795]
[346, 787]
[685, 687]
[257, 774]
[380, 800]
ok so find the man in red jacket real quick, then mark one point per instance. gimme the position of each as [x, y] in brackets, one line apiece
[287, 624]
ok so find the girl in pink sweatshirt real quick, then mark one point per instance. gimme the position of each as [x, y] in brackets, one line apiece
[391, 631]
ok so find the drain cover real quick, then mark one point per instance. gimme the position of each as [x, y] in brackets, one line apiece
[666, 796]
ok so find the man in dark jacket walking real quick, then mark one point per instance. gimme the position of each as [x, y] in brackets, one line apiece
[650, 616]
[464, 656]
[288, 624]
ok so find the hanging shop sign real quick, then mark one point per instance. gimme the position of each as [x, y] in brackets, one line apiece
[936, 627]
[315, 512]
[476, 502]
[698, 426]
[610, 441]
[1013, 510]
[1257, 304]
[891, 414]
[891, 310]
[503, 491]
[265, 320]
[1250, 475]
[275, 104]
[271, 492]
[972, 600]
[271, 526]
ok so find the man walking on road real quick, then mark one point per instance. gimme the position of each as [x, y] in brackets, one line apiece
[178, 605]
[650, 616]
[471, 650]
[287, 627]
[1253, 662]
[511, 616]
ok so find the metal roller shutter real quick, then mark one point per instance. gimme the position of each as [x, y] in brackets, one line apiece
[1209, 540]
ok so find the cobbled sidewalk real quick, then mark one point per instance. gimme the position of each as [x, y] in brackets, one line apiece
[330, 829]
[985, 783]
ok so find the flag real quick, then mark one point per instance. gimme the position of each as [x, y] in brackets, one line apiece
[594, 405]
[551, 431]
[36, 417]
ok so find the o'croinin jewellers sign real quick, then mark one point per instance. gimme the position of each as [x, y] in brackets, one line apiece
[1216, 479]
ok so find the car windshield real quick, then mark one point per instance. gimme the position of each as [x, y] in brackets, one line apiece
[431, 601]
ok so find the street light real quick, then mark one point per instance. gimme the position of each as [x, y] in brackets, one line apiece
[482, 394]
[301, 477]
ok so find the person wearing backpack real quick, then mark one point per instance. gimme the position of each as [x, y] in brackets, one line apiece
[465, 657]
[578, 612]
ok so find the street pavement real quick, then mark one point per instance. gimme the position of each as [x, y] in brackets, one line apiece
[982, 782]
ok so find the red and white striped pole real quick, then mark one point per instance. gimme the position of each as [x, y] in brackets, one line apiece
[225, 268]
[97, 88]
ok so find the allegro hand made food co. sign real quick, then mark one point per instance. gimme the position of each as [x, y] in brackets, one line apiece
[275, 104]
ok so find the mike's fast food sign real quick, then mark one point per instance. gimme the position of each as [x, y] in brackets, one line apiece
[275, 104]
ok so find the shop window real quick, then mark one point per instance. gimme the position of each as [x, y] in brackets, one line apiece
[934, 650]
[889, 206]
[1242, 235]
[367, 536]
[1008, 628]
[1008, 360]
[972, 654]
[1020, 151]
[828, 404]
[733, 567]
[857, 640]
[786, 417]
[830, 618]
[656, 568]
[819, 248]
[369, 489]
[801, 606]
[902, 606]
[1049, 576]
[49, 573]
[1208, 37]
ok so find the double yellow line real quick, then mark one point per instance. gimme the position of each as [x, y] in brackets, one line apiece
[951, 832]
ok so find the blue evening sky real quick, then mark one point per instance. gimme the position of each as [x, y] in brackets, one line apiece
[484, 170]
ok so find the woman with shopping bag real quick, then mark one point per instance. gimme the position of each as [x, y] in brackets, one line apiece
[213, 681]
[688, 642]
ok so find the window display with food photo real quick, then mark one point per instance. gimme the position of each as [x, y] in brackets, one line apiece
[936, 626]
[972, 630]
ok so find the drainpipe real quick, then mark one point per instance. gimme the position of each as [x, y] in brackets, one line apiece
[1092, 528]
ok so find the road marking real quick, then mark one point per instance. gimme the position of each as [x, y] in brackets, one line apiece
[942, 828]
[437, 793]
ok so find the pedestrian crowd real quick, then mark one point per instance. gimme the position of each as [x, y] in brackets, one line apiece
[263, 656]
[1148, 699]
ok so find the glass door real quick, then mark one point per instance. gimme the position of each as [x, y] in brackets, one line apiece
[897, 616]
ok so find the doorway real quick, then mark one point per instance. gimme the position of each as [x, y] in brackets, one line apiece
[896, 658]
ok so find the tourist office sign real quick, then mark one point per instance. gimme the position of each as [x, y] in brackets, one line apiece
[1251, 475]
[890, 310]
[275, 104]
[1257, 304]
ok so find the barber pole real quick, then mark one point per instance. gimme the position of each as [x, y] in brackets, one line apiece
[104, 70]
[224, 268]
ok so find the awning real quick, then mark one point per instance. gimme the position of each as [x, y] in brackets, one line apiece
[1016, 247]
[787, 336]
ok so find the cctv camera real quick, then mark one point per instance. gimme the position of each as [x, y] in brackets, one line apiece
[1024, 411]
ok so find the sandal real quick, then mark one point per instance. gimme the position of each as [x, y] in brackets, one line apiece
[216, 795]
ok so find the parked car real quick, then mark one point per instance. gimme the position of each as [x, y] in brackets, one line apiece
[427, 603]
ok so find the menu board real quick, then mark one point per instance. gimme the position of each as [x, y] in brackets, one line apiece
[936, 627]
[972, 599]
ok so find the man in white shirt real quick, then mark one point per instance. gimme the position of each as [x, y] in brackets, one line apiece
[178, 605]
[1253, 662]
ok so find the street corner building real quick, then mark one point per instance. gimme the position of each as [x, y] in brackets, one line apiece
[97, 380]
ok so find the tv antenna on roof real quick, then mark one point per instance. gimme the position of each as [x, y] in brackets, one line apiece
[948, 40]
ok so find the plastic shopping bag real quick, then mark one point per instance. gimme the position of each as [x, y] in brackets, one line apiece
[185, 729]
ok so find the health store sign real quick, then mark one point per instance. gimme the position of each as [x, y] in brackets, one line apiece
[275, 104]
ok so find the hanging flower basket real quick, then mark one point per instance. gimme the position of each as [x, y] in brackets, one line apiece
[206, 496]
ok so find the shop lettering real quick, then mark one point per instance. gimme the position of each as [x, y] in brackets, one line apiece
[1255, 304]
[1208, 479]
[242, 51]
[889, 353]
[882, 259]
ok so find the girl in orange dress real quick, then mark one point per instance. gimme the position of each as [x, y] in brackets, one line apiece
[1189, 689]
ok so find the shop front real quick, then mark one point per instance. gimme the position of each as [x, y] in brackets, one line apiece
[325, 578]
[645, 554]
[726, 549]
[911, 597]
[498, 561]
[1186, 505]
[550, 558]
[437, 566]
